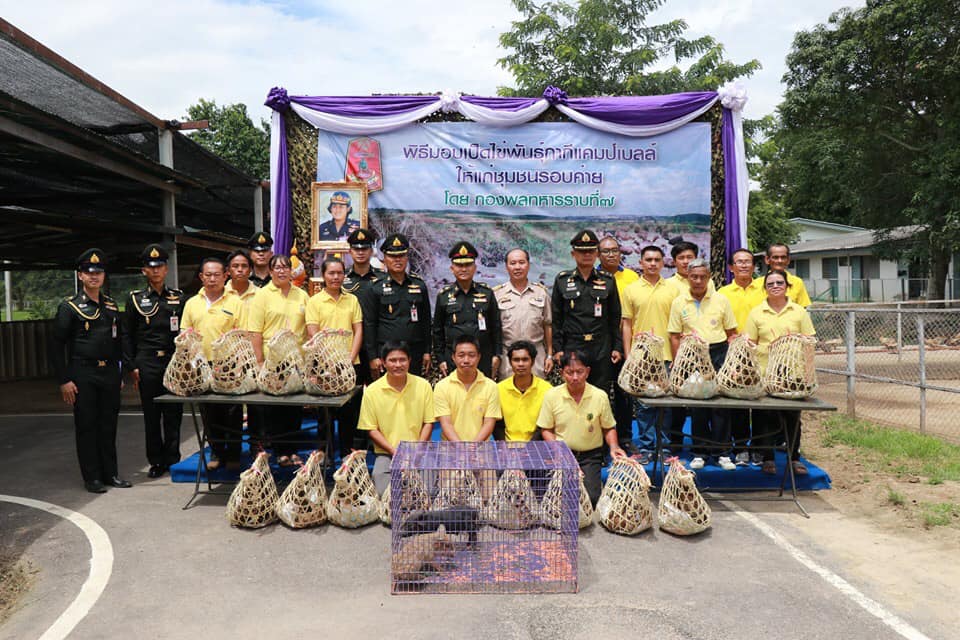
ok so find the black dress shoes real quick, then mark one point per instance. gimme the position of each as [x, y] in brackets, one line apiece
[115, 481]
[156, 470]
[94, 486]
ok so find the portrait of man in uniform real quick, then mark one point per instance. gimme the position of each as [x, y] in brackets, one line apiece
[338, 209]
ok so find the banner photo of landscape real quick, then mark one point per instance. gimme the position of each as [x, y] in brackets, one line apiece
[531, 186]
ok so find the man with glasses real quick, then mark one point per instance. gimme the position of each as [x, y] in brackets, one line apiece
[586, 311]
[778, 257]
[261, 250]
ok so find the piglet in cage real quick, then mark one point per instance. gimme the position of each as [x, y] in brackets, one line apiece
[455, 520]
[421, 555]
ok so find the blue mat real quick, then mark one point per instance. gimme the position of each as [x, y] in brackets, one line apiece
[710, 477]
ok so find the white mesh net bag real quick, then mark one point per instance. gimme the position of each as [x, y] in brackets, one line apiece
[624, 504]
[188, 373]
[457, 488]
[644, 373]
[790, 371]
[551, 506]
[353, 500]
[683, 511]
[304, 501]
[513, 504]
[234, 364]
[413, 496]
[692, 375]
[328, 369]
[740, 377]
[281, 374]
[253, 503]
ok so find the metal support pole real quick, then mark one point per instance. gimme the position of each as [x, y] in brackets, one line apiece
[922, 353]
[899, 332]
[8, 296]
[257, 208]
[851, 340]
[169, 209]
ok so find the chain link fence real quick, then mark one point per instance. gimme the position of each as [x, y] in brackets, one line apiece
[896, 366]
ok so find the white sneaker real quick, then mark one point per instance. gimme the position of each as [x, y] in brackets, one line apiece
[725, 463]
[697, 463]
[743, 459]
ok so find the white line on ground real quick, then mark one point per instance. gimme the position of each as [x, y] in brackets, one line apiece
[868, 604]
[101, 565]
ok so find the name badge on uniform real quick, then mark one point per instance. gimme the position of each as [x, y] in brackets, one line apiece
[114, 330]
[174, 324]
[414, 316]
[481, 322]
[597, 310]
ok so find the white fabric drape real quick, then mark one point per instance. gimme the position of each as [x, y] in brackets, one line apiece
[363, 126]
[638, 130]
[733, 96]
[495, 118]
[276, 130]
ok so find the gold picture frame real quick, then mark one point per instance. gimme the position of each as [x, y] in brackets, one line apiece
[322, 223]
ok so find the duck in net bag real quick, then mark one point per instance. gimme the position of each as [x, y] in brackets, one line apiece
[775, 317]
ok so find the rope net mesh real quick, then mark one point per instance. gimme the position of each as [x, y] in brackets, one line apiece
[740, 377]
[353, 500]
[234, 364]
[188, 373]
[280, 374]
[624, 504]
[253, 503]
[790, 371]
[304, 501]
[683, 511]
[328, 369]
[644, 373]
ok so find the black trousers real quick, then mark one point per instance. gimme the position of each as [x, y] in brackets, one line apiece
[161, 422]
[347, 417]
[223, 423]
[711, 424]
[95, 420]
[622, 406]
[739, 428]
[282, 425]
[767, 423]
[590, 463]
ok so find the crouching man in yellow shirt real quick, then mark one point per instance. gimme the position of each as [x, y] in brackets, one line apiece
[396, 407]
[579, 414]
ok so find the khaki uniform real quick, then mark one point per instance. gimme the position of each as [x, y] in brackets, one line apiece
[523, 316]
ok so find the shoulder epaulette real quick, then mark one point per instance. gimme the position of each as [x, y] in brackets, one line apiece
[137, 292]
[179, 292]
[565, 273]
[539, 284]
[500, 286]
[415, 275]
[448, 288]
[481, 285]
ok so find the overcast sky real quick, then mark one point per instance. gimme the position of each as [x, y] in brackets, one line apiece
[166, 55]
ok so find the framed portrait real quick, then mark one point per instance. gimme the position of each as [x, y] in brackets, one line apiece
[337, 209]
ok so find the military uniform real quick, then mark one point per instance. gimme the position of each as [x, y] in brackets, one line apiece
[586, 316]
[260, 241]
[151, 320]
[328, 230]
[86, 350]
[473, 312]
[397, 311]
[523, 316]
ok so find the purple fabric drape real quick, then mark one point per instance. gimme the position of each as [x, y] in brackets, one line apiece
[641, 110]
[731, 205]
[283, 228]
[501, 104]
[364, 106]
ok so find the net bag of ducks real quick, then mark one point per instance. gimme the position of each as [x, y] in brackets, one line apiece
[188, 373]
[551, 506]
[790, 370]
[644, 373]
[353, 500]
[280, 374]
[304, 501]
[328, 368]
[234, 364]
[683, 511]
[624, 504]
[253, 503]
[692, 375]
[740, 376]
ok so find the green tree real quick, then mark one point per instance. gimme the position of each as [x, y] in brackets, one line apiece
[606, 47]
[870, 124]
[233, 136]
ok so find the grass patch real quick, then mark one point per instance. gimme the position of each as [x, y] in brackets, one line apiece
[16, 578]
[940, 514]
[895, 450]
[895, 497]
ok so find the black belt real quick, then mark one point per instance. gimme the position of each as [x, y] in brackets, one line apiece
[93, 362]
[155, 353]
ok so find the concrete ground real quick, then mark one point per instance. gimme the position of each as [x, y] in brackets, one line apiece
[188, 574]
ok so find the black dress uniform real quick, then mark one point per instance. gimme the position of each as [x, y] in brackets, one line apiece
[586, 315]
[260, 241]
[473, 312]
[397, 311]
[151, 320]
[87, 351]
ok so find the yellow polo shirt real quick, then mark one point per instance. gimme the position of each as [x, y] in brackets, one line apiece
[247, 296]
[764, 325]
[327, 313]
[797, 291]
[580, 425]
[683, 285]
[399, 415]
[214, 320]
[271, 312]
[647, 306]
[743, 299]
[520, 410]
[625, 277]
[710, 319]
[467, 407]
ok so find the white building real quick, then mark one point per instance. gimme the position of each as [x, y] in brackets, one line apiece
[838, 264]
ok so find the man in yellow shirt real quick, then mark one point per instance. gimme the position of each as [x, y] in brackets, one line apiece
[683, 253]
[520, 395]
[744, 293]
[212, 313]
[778, 257]
[240, 266]
[467, 402]
[579, 414]
[709, 316]
[611, 261]
[646, 307]
[396, 407]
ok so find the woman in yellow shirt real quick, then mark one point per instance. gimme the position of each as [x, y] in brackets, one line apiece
[278, 305]
[775, 317]
[334, 308]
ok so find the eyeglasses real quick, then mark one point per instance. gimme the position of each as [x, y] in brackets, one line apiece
[775, 285]
[743, 263]
[609, 252]
[281, 267]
